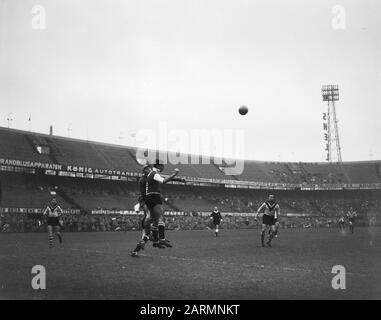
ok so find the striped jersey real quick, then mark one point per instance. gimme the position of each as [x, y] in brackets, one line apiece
[54, 212]
[271, 209]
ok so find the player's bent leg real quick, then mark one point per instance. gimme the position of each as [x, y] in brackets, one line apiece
[142, 226]
[58, 233]
[277, 225]
[272, 234]
[155, 214]
[263, 232]
[50, 235]
[147, 222]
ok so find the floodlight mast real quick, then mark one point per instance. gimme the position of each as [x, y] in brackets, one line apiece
[330, 94]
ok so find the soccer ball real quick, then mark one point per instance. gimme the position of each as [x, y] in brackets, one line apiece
[243, 110]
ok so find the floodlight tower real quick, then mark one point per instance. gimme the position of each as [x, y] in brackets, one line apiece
[330, 94]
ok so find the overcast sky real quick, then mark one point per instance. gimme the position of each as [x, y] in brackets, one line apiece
[108, 69]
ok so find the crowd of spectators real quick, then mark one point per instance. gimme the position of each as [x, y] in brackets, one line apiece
[298, 174]
[321, 207]
[22, 222]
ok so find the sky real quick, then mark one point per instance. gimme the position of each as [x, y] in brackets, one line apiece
[107, 70]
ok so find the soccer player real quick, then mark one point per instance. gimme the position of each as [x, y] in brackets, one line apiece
[146, 222]
[53, 214]
[217, 219]
[155, 205]
[351, 215]
[269, 218]
[341, 223]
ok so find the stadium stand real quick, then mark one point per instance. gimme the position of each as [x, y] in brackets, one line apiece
[26, 184]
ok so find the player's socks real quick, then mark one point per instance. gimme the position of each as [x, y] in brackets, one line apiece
[50, 240]
[155, 234]
[162, 240]
[155, 238]
[157, 244]
[59, 237]
[137, 248]
[263, 238]
[161, 231]
[271, 236]
[143, 242]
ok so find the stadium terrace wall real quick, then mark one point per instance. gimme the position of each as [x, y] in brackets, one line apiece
[70, 170]
[35, 210]
[75, 171]
[133, 213]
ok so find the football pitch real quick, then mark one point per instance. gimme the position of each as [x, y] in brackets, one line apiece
[96, 265]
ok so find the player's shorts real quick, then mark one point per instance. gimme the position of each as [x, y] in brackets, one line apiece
[352, 220]
[153, 200]
[268, 220]
[53, 221]
[216, 222]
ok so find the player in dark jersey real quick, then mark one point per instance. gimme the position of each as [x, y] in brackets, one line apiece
[217, 219]
[53, 214]
[269, 219]
[146, 222]
[155, 205]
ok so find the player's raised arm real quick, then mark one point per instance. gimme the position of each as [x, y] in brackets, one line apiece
[163, 180]
[179, 180]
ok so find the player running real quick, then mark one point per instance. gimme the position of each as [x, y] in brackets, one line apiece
[217, 219]
[351, 215]
[269, 218]
[53, 214]
[155, 205]
[146, 222]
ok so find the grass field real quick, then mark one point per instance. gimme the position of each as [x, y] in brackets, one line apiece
[199, 266]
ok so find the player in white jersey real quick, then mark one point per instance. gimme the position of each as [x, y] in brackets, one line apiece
[53, 214]
[351, 215]
[269, 219]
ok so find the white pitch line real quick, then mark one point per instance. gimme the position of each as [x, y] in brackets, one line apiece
[86, 250]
